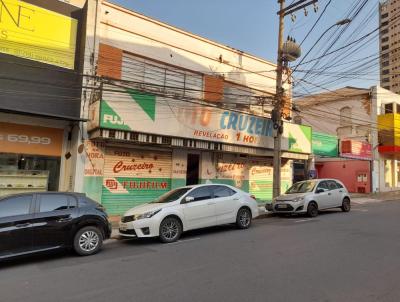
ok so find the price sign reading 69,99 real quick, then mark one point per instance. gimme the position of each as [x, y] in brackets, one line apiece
[26, 139]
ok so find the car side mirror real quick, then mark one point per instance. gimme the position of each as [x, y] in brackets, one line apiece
[319, 190]
[188, 199]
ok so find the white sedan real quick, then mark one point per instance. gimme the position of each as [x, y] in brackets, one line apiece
[311, 196]
[189, 208]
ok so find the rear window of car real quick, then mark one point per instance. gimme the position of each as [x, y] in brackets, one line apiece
[53, 202]
[339, 185]
[223, 191]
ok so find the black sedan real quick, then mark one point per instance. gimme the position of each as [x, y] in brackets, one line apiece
[38, 222]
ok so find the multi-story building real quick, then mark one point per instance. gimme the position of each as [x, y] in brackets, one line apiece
[365, 125]
[389, 44]
[172, 108]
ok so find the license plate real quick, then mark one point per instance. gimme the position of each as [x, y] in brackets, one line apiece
[123, 227]
[282, 206]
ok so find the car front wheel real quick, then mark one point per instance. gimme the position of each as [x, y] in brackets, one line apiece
[312, 209]
[346, 205]
[243, 218]
[170, 230]
[88, 241]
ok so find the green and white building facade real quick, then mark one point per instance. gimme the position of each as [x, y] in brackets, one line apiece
[154, 126]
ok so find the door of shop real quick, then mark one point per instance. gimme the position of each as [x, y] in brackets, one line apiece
[362, 182]
[192, 174]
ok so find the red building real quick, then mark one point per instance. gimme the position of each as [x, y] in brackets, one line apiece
[355, 174]
[353, 168]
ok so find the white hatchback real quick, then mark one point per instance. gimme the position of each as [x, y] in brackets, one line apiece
[189, 208]
[310, 196]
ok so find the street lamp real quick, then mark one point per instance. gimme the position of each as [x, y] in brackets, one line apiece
[338, 23]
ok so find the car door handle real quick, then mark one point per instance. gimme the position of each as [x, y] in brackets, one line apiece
[236, 199]
[210, 203]
[22, 225]
[64, 219]
[340, 191]
[329, 193]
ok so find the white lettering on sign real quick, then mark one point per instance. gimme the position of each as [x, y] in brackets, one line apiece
[115, 120]
[26, 139]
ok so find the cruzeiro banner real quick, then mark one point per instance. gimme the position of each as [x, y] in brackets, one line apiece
[147, 113]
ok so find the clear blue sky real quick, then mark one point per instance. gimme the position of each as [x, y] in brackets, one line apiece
[252, 25]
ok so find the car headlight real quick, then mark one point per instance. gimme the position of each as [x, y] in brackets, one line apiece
[298, 199]
[147, 214]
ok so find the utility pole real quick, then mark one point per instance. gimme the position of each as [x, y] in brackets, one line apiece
[277, 112]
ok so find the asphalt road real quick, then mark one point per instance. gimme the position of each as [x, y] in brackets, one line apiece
[334, 257]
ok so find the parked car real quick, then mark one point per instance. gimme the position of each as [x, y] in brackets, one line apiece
[310, 196]
[189, 208]
[37, 222]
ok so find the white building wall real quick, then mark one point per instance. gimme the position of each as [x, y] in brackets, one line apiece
[365, 127]
[91, 49]
[147, 37]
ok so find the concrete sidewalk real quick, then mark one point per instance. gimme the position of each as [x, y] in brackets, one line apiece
[374, 197]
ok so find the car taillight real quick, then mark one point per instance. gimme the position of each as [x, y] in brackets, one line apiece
[252, 196]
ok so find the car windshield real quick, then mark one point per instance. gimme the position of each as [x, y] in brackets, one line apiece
[171, 195]
[302, 187]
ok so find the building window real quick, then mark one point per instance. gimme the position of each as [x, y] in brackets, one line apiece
[386, 47]
[385, 80]
[345, 116]
[388, 108]
[385, 15]
[385, 64]
[386, 71]
[385, 39]
[385, 31]
[162, 78]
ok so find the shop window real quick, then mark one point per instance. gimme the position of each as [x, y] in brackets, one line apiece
[27, 172]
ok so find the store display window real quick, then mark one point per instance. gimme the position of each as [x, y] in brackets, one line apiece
[26, 173]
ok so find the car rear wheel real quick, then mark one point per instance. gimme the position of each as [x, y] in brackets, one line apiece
[346, 205]
[243, 218]
[312, 209]
[170, 230]
[88, 241]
